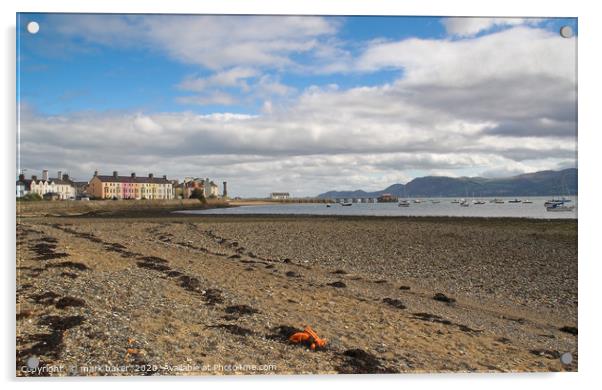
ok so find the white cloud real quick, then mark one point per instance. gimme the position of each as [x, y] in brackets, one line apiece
[322, 142]
[245, 83]
[470, 26]
[518, 52]
[234, 77]
[145, 124]
[216, 97]
[267, 107]
[522, 80]
[214, 42]
[270, 86]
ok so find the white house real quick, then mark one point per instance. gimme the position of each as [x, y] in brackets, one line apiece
[280, 195]
[62, 186]
[210, 188]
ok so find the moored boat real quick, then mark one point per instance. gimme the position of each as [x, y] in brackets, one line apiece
[554, 201]
[560, 207]
[560, 200]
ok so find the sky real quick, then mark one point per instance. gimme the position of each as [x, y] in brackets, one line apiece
[295, 104]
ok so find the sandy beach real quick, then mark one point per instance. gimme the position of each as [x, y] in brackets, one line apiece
[163, 294]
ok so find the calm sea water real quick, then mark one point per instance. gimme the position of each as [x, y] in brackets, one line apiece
[425, 208]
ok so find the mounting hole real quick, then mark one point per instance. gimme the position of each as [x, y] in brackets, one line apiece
[33, 362]
[33, 27]
[566, 358]
[566, 31]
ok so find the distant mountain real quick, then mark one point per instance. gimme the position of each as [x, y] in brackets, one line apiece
[529, 184]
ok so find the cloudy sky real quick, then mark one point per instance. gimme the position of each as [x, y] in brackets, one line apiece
[298, 104]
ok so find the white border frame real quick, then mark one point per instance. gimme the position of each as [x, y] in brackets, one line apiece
[589, 144]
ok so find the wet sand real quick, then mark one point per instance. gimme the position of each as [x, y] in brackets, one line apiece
[158, 294]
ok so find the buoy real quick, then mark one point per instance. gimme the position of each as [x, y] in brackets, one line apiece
[308, 336]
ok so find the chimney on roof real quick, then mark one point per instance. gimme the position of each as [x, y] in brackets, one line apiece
[21, 177]
[59, 175]
[45, 175]
[115, 174]
[34, 178]
[95, 173]
[150, 175]
[133, 175]
[225, 189]
[65, 177]
[165, 177]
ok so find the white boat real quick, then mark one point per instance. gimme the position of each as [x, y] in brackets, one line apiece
[560, 207]
[417, 201]
[455, 201]
[464, 203]
[515, 200]
[434, 201]
[403, 203]
[554, 201]
[560, 200]
[497, 201]
[477, 201]
[527, 201]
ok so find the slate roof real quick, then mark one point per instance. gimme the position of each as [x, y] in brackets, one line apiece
[27, 182]
[129, 179]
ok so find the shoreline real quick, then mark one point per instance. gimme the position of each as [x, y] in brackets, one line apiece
[335, 216]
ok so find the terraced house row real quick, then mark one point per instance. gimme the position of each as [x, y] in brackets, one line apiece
[130, 187]
[61, 187]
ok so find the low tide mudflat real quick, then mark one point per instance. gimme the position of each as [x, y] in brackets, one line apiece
[197, 295]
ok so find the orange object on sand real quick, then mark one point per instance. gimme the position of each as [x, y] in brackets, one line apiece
[308, 336]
